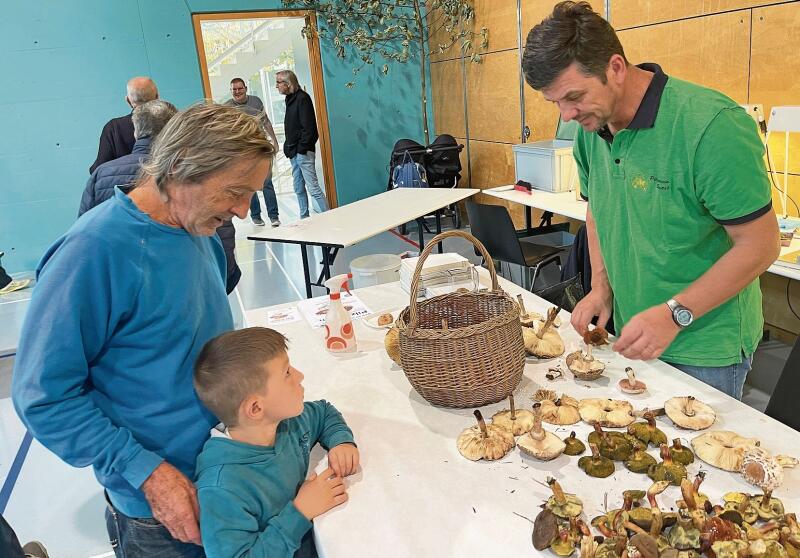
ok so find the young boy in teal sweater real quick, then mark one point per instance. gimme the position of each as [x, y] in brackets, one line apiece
[251, 481]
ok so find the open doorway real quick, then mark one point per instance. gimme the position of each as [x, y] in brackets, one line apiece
[254, 46]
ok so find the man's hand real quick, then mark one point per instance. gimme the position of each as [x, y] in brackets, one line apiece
[647, 334]
[320, 493]
[173, 499]
[343, 459]
[597, 303]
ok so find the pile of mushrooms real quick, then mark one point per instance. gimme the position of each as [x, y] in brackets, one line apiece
[543, 341]
[611, 413]
[561, 411]
[483, 441]
[742, 526]
[540, 443]
[689, 413]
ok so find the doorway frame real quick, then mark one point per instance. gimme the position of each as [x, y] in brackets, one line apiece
[317, 78]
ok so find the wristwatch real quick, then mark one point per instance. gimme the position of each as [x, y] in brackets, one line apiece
[680, 314]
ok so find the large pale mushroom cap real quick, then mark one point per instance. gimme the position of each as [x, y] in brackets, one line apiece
[562, 411]
[484, 441]
[689, 413]
[612, 413]
[761, 469]
[584, 367]
[723, 449]
[516, 421]
[540, 443]
[549, 345]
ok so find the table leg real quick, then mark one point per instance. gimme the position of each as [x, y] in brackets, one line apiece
[328, 257]
[439, 227]
[306, 272]
[528, 224]
[421, 230]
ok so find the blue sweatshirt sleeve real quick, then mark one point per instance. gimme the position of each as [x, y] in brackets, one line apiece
[82, 296]
[327, 425]
[230, 529]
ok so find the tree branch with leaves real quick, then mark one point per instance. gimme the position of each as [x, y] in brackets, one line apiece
[396, 31]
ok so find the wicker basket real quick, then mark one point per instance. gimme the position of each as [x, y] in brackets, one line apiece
[462, 349]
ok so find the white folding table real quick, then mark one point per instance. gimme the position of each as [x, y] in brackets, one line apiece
[416, 496]
[360, 220]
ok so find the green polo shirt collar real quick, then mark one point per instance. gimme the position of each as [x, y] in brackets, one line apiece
[645, 116]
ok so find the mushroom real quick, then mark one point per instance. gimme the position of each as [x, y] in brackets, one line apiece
[392, 344]
[737, 505]
[588, 544]
[540, 443]
[544, 341]
[516, 422]
[561, 411]
[564, 545]
[596, 337]
[684, 535]
[657, 524]
[606, 412]
[630, 384]
[640, 461]
[544, 394]
[596, 466]
[642, 545]
[680, 453]
[584, 366]
[616, 448]
[767, 507]
[689, 413]
[573, 446]
[667, 470]
[530, 318]
[647, 432]
[484, 441]
[562, 504]
[723, 449]
[729, 548]
[761, 469]
[545, 529]
[385, 319]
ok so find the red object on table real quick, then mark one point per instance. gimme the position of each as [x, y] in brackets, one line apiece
[523, 186]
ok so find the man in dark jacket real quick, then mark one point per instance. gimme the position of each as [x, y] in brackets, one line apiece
[117, 138]
[300, 126]
[148, 120]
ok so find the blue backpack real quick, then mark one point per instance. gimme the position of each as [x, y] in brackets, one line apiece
[409, 174]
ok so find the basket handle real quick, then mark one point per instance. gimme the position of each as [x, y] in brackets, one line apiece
[413, 318]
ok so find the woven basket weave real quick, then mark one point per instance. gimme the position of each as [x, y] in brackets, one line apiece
[461, 349]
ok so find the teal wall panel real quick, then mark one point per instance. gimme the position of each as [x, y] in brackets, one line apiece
[65, 65]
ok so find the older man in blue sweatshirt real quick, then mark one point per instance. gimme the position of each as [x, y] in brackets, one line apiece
[125, 300]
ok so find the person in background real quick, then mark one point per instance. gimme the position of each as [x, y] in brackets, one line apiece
[253, 106]
[124, 303]
[9, 285]
[117, 138]
[148, 120]
[300, 126]
[680, 221]
[251, 475]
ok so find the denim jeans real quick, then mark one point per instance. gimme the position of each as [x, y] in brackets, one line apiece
[304, 174]
[728, 379]
[270, 200]
[9, 544]
[145, 538]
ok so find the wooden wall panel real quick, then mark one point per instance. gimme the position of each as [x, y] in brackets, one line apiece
[540, 116]
[500, 18]
[794, 193]
[493, 105]
[711, 51]
[775, 71]
[634, 13]
[447, 85]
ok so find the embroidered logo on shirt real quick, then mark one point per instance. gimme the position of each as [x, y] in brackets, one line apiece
[660, 184]
[305, 442]
[639, 182]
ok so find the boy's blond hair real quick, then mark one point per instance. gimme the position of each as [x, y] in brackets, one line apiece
[231, 367]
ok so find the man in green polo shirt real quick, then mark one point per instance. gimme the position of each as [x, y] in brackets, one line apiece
[680, 222]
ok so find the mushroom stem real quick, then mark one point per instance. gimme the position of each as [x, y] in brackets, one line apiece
[666, 456]
[521, 304]
[537, 432]
[481, 423]
[558, 492]
[603, 526]
[689, 409]
[687, 491]
[630, 374]
[551, 317]
[651, 421]
[595, 451]
[766, 498]
[635, 528]
[701, 475]
[589, 352]
[658, 522]
[513, 410]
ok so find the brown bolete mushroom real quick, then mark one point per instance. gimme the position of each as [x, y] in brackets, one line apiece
[631, 385]
[564, 505]
[689, 413]
[738, 503]
[596, 465]
[516, 422]
[667, 470]
[723, 449]
[543, 341]
[612, 413]
[573, 446]
[647, 432]
[584, 366]
[616, 447]
[561, 411]
[680, 453]
[640, 461]
[545, 529]
[595, 337]
[392, 344]
[484, 441]
[540, 443]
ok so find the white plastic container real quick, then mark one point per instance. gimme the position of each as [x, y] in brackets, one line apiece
[375, 269]
[546, 165]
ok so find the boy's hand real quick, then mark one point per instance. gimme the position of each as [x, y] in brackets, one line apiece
[320, 493]
[343, 459]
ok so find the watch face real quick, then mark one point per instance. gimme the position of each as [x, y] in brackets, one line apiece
[683, 316]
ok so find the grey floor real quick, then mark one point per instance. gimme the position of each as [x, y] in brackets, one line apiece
[272, 273]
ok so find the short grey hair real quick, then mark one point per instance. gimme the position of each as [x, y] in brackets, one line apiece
[204, 140]
[149, 118]
[141, 90]
[291, 77]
